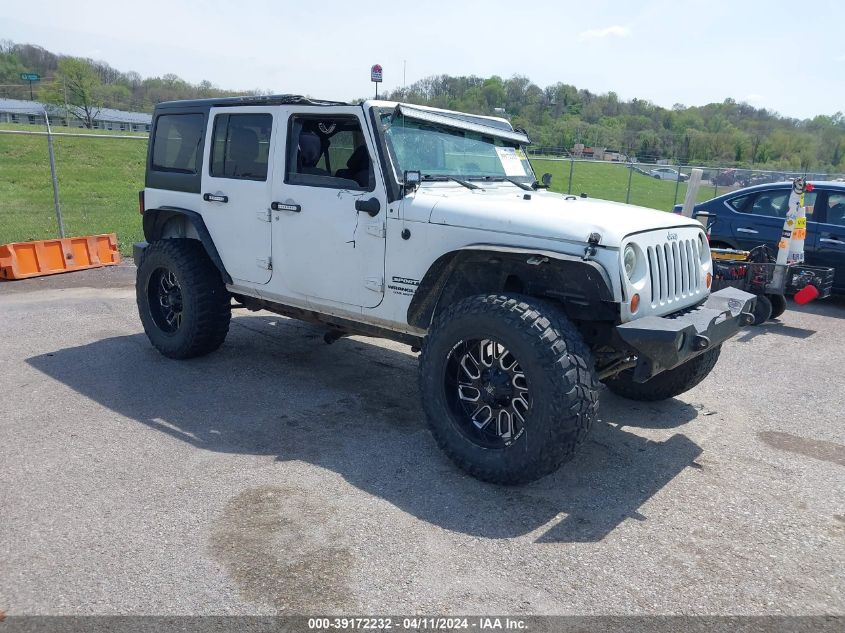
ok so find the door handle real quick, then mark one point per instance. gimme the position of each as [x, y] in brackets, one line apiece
[285, 206]
[213, 197]
[744, 230]
[371, 206]
[830, 240]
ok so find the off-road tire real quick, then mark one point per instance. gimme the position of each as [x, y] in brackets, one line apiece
[667, 384]
[778, 305]
[558, 369]
[205, 303]
[762, 310]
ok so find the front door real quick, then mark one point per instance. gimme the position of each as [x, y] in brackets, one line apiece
[329, 210]
[236, 189]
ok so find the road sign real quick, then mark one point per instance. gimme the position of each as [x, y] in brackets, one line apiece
[375, 73]
[30, 76]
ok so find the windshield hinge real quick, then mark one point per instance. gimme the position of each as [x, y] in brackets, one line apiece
[376, 228]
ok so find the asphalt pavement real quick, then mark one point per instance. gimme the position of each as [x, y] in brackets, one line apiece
[282, 475]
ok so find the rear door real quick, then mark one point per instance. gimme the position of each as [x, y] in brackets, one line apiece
[236, 189]
[759, 218]
[830, 237]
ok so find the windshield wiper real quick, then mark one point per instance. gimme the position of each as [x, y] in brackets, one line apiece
[466, 184]
[521, 185]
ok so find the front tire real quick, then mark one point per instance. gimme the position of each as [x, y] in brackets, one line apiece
[182, 301]
[667, 384]
[762, 310]
[508, 387]
[778, 305]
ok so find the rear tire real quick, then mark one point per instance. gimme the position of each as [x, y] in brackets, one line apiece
[182, 301]
[667, 384]
[508, 387]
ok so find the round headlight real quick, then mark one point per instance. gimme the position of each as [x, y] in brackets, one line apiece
[630, 260]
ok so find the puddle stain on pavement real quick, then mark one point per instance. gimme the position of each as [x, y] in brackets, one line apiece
[283, 549]
[817, 449]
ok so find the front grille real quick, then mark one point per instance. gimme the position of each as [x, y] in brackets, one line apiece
[675, 268]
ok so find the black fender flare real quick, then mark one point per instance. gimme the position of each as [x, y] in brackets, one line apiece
[558, 276]
[156, 219]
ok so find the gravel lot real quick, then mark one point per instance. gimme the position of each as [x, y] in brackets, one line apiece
[283, 475]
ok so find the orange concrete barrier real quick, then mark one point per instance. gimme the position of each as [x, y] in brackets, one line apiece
[20, 260]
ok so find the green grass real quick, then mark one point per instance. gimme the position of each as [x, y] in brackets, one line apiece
[609, 181]
[99, 180]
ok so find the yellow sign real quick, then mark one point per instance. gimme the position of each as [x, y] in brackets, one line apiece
[801, 223]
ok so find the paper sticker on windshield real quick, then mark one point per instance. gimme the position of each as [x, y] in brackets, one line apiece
[510, 161]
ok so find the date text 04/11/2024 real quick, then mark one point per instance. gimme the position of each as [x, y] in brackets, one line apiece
[417, 623]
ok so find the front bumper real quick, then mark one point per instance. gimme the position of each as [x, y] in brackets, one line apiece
[662, 343]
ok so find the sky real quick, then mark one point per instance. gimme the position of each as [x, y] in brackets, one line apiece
[784, 56]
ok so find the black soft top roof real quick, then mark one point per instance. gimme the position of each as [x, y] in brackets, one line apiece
[270, 100]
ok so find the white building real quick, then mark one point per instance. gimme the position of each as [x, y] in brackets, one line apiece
[32, 112]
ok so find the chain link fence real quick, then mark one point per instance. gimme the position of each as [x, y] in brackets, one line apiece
[99, 174]
[97, 177]
[654, 185]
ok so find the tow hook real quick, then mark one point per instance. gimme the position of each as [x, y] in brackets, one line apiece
[701, 342]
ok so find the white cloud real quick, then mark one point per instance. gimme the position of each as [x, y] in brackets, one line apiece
[841, 58]
[597, 34]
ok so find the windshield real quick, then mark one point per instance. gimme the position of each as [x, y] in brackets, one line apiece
[438, 151]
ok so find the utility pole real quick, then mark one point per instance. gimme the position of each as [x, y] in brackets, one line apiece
[59, 220]
[67, 111]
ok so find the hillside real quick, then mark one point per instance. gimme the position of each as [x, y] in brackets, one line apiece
[557, 116]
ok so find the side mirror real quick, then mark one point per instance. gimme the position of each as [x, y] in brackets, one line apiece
[545, 181]
[371, 206]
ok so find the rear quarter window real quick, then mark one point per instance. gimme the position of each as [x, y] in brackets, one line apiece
[177, 143]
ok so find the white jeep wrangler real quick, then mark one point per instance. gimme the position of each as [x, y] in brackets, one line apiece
[428, 227]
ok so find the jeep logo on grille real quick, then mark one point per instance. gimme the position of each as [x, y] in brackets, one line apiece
[671, 236]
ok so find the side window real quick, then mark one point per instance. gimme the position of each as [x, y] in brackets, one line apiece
[836, 208]
[770, 203]
[810, 204]
[328, 152]
[240, 146]
[177, 143]
[739, 203]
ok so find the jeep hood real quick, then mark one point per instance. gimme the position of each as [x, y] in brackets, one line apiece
[505, 209]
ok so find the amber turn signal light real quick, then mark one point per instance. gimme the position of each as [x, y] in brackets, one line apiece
[635, 303]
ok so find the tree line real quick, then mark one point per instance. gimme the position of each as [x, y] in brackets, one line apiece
[557, 116]
[561, 115]
[88, 86]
